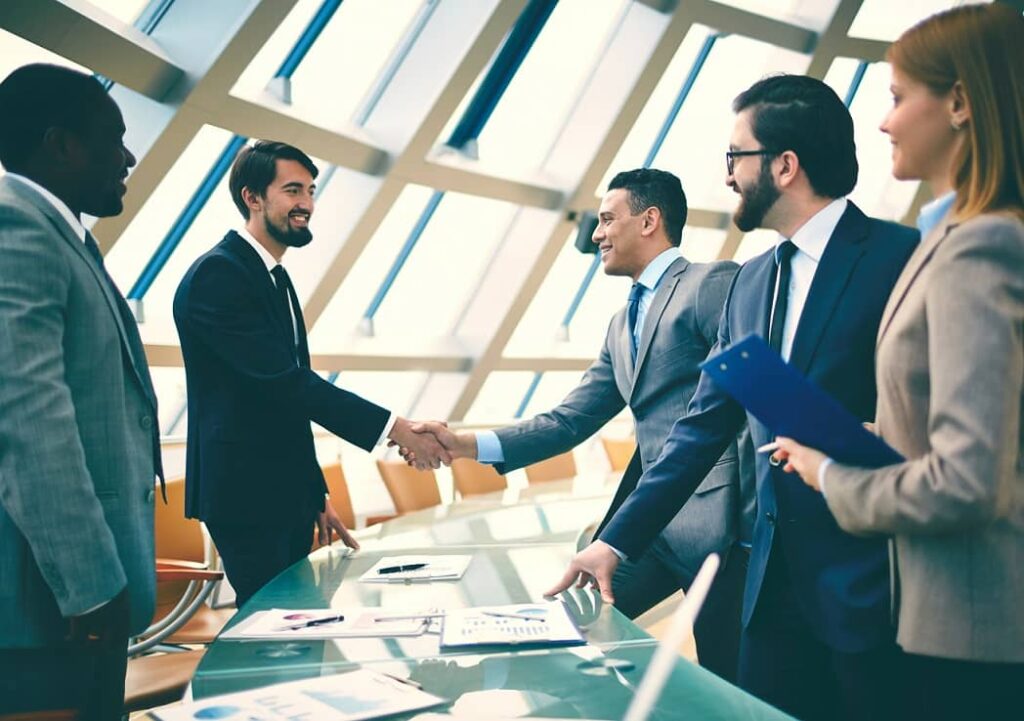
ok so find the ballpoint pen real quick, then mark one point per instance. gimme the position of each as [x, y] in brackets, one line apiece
[400, 569]
[523, 616]
[314, 622]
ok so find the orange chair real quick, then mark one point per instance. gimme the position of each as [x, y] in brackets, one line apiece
[472, 478]
[409, 488]
[341, 499]
[619, 451]
[184, 539]
[555, 468]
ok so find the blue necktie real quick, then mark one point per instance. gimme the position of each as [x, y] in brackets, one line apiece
[632, 310]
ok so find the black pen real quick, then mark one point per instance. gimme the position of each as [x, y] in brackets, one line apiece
[400, 569]
[314, 622]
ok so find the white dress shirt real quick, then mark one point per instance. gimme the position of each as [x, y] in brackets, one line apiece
[270, 262]
[810, 241]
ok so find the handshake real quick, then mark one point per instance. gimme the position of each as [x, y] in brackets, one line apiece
[428, 444]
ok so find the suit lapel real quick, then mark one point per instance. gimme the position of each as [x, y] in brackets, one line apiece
[841, 254]
[918, 260]
[263, 280]
[116, 304]
[652, 320]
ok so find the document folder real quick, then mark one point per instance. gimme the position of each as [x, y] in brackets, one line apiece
[790, 405]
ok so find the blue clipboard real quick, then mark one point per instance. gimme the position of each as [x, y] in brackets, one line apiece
[790, 405]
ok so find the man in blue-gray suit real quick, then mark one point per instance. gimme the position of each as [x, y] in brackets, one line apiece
[79, 446]
[817, 638]
[650, 361]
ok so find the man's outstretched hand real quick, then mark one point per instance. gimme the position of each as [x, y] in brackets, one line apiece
[458, 445]
[596, 565]
[424, 447]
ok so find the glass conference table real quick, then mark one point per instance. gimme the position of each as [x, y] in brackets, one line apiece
[520, 545]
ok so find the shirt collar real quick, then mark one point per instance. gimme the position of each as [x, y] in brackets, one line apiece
[265, 256]
[62, 209]
[934, 211]
[652, 274]
[812, 236]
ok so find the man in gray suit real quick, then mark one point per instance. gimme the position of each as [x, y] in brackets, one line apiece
[649, 361]
[79, 446]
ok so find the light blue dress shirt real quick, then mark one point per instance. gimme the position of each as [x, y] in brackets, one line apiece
[488, 447]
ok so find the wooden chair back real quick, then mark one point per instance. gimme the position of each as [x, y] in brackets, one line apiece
[472, 478]
[555, 468]
[619, 451]
[409, 488]
[341, 499]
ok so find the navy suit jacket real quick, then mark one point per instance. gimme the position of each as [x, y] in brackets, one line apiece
[841, 581]
[251, 396]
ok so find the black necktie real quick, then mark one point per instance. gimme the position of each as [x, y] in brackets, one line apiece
[783, 255]
[632, 310]
[292, 311]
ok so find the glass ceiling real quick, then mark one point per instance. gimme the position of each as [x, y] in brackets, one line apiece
[443, 280]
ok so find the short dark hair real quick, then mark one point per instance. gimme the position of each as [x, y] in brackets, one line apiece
[658, 189]
[804, 115]
[38, 97]
[255, 168]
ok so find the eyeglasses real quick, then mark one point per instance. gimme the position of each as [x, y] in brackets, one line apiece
[730, 156]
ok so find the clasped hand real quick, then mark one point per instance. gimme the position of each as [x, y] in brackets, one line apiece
[452, 445]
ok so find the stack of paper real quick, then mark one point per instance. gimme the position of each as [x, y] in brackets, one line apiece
[346, 697]
[393, 569]
[522, 624]
[320, 623]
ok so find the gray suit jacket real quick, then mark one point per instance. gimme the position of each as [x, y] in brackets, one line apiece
[680, 328]
[950, 368]
[77, 422]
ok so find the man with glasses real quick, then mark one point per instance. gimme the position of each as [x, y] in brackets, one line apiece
[817, 639]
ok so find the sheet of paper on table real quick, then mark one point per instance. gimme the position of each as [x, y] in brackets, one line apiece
[522, 624]
[324, 623]
[353, 696]
[399, 569]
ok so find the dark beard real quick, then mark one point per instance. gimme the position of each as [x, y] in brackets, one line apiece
[757, 201]
[287, 236]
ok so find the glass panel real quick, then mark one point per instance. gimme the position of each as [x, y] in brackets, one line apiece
[15, 52]
[884, 20]
[702, 245]
[432, 287]
[499, 397]
[554, 386]
[755, 243]
[840, 75]
[518, 137]
[394, 390]
[695, 146]
[644, 131]
[127, 11]
[813, 14]
[348, 56]
[877, 193]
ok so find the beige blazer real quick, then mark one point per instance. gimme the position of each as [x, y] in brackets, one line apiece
[950, 367]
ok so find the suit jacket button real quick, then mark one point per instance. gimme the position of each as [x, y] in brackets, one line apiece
[770, 517]
[146, 422]
[150, 495]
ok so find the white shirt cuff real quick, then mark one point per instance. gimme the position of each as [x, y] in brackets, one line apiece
[821, 476]
[387, 429]
[617, 552]
[488, 447]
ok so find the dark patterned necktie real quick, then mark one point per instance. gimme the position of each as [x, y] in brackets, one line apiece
[632, 310]
[783, 256]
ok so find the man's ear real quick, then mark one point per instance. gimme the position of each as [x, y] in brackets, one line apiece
[252, 199]
[652, 219]
[63, 146]
[788, 167]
